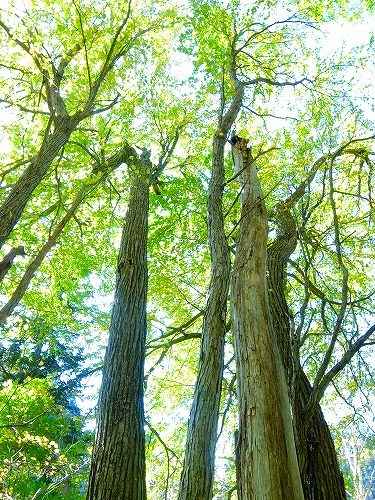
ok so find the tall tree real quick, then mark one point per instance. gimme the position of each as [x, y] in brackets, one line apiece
[266, 455]
[198, 470]
[315, 446]
[118, 460]
[303, 121]
[197, 477]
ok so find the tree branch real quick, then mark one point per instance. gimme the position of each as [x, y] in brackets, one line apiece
[24, 424]
[328, 377]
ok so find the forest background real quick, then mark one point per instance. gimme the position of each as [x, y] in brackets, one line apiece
[80, 84]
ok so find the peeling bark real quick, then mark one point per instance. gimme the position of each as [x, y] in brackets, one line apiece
[266, 454]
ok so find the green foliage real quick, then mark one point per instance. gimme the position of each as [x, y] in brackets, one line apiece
[174, 78]
[42, 447]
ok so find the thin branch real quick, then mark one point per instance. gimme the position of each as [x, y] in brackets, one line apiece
[23, 108]
[87, 150]
[84, 43]
[178, 329]
[35, 264]
[318, 386]
[108, 63]
[305, 280]
[301, 188]
[13, 166]
[168, 451]
[183, 338]
[20, 43]
[274, 83]
[165, 446]
[168, 149]
[269, 115]
[106, 108]
[290, 20]
[28, 422]
[328, 377]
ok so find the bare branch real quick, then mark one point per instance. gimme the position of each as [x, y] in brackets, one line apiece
[293, 19]
[274, 83]
[108, 64]
[84, 43]
[328, 377]
[301, 188]
[317, 291]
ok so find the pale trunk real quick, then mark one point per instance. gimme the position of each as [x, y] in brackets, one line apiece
[266, 455]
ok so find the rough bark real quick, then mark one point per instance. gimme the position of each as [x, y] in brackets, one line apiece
[278, 253]
[320, 472]
[198, 469]
[7, 261]
[266, 454]
[118, 461]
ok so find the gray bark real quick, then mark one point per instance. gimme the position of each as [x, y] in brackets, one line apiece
[118, 461]
[198, 470]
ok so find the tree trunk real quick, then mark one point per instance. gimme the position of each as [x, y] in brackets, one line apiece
[198, 469]
[118, 461]
[266, 454]
[320, 472]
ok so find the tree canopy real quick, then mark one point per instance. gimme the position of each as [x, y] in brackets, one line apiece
[97, 97]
